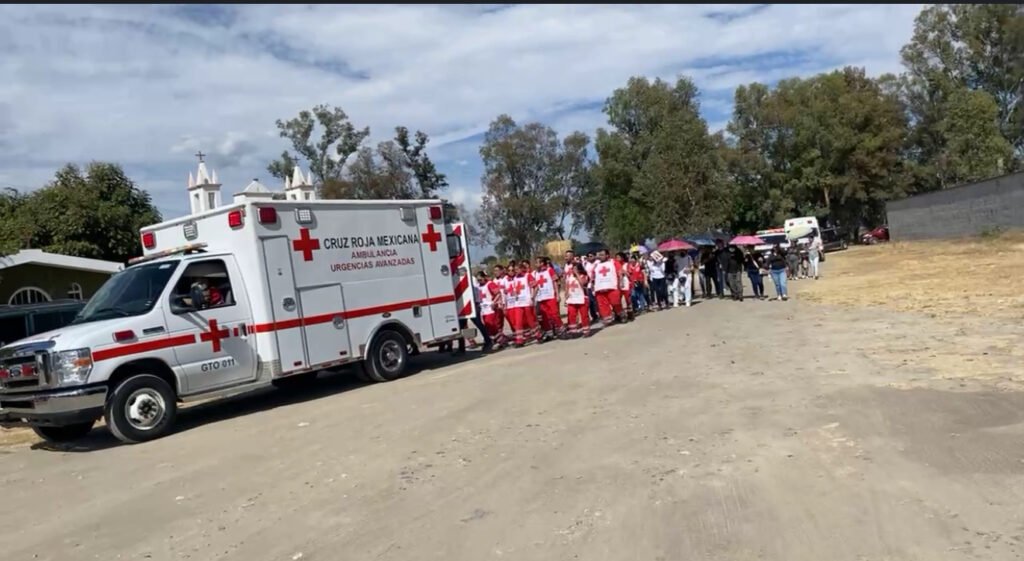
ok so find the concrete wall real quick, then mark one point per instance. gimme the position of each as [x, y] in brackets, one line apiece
[966, 210]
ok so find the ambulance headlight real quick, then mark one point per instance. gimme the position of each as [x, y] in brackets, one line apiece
[70, 368]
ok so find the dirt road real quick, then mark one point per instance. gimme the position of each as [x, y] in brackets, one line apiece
[732, 431]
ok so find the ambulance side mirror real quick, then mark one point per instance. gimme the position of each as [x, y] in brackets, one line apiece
[197, 295]
[182, 304]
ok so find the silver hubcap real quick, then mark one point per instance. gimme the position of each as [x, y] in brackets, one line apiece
[144, 409]
[391, 356]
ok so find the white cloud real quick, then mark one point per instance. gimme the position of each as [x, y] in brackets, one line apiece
[149, 85]
[465, 196]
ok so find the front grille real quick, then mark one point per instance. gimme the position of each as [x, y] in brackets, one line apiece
[19, 372]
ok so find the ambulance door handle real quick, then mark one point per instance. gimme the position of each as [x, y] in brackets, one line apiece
[288, 303]
[444, 270]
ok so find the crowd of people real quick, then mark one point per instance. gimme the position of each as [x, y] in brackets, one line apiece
[603, 288]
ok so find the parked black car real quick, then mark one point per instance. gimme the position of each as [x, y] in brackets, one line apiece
[18, 322]
[831, 240]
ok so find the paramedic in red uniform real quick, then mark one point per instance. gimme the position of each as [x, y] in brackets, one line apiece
[518, 298]
[506, 283]
[576, 280]
[547, 299]
[622, 271]
[606, 288]
[531, 329]
[492, 302]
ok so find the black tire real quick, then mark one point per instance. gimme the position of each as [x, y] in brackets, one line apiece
[388, 357]
[159, 409]
[67, 433]
[295, 382]
[361, 374]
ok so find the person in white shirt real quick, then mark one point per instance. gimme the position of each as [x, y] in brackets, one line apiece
[589, 263]
[656, 272]
[814, 251]
[681, 285]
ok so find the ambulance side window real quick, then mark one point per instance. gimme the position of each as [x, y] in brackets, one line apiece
[212, 277]
[454, 245]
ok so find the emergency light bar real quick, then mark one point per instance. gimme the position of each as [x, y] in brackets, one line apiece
[182, 249]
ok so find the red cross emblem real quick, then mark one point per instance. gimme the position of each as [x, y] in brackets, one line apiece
[215, 335]
[431, 237]
[604, 270]
[543, 280]
[516, 288]
[305, 244]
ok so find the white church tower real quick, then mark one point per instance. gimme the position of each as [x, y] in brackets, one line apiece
[299, 188]
[203, 189]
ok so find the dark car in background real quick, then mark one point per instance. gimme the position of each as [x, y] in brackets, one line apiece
[832, 240]
[18, 322]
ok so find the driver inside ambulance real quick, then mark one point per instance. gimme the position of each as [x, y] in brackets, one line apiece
[212, 297]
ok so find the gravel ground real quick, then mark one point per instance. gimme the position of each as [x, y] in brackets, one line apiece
[733, 431]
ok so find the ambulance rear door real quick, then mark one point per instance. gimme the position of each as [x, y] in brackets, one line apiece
[461, 267]
[437, 273]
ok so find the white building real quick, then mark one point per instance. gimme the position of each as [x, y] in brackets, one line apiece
[204, 189]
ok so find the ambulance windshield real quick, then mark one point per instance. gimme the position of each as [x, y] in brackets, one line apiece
[131, 292]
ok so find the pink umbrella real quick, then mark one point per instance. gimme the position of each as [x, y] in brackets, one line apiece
[674, 245]
[746, 240]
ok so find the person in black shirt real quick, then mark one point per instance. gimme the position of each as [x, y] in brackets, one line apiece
[722, 259]
[712, 281]
[753, 265]
[734, 271]
[777, 268]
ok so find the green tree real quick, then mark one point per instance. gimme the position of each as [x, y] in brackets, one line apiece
[828, 145]
[524, 167]
[659, 171]
[16, 225]
[956, 49]
[326, 156]
[428, 179]
[94, 214]
[575, 182]
[373, 174]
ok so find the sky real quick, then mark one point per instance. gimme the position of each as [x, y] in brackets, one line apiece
[148, 86]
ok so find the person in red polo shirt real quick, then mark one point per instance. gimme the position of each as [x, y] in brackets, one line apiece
[547, 299]
[576, 281]
[637, 282]
[606, 288]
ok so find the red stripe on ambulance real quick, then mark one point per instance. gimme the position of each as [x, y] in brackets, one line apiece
[143, 347]
[350, 314]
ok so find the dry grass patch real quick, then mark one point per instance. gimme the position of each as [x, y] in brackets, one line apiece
[980, 277]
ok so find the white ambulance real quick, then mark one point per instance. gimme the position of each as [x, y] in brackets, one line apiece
[255, 293]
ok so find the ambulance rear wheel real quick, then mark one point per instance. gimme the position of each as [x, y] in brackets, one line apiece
[388, 357]
[140, 408]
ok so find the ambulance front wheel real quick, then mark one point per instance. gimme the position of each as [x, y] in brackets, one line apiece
[388, 357]
[66, 433]
[141, 408]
